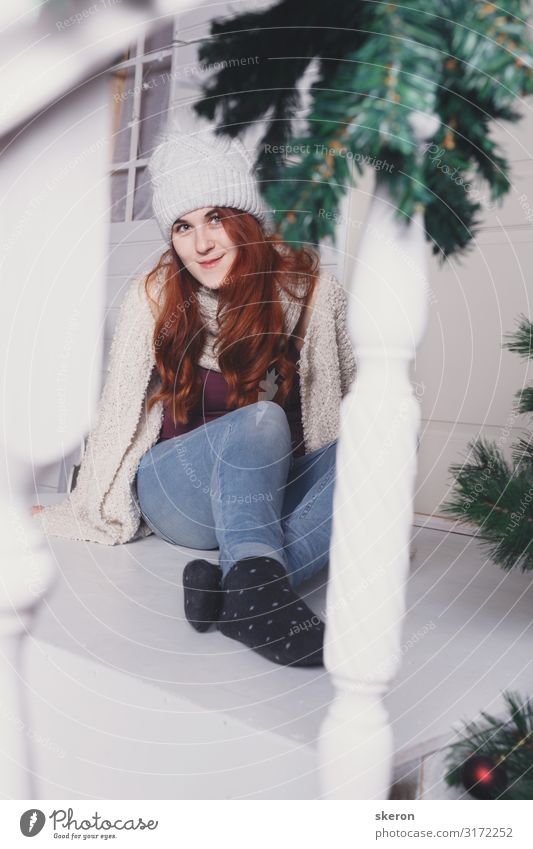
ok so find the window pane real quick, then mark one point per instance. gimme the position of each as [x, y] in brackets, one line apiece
[122, 93]
[161, 39]
[119, 182]
[142, 205]
[154, 103]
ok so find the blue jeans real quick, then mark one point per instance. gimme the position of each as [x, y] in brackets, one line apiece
[234, 484]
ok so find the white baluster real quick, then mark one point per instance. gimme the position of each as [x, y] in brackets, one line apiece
[26, 573]
[53, 253]
[373, 500]
[55, 134]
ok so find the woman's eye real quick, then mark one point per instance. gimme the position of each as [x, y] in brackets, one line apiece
[216, 218]
[178, 227]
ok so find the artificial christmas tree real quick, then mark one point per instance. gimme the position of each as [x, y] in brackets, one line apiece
[377, 65]
[494, 758]
[494, 495]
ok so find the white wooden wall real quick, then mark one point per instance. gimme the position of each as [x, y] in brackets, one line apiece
[465, 381]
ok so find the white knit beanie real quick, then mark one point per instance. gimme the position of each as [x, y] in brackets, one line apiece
[190, 171]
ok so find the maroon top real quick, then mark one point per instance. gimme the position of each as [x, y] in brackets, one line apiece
[212, 404]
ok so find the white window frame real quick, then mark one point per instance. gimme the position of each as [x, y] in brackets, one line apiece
[133, 164]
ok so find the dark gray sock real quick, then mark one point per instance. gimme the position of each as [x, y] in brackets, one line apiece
[261, 610]
[202, 594]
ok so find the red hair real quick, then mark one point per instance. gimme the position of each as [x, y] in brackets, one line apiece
[251, 338]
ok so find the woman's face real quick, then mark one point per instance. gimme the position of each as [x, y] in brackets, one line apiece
[203, 246]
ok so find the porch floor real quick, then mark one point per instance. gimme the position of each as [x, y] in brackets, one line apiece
[148, 708]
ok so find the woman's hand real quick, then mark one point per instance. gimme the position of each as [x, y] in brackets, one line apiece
[36, 509]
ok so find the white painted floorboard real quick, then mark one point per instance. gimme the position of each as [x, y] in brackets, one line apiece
[118, 672]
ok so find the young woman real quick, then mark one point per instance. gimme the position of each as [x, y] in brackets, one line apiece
[250, 355]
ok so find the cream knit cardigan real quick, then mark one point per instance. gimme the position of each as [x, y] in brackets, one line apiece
[103, 506]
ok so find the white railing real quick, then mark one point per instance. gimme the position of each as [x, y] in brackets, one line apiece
[53, 264]
[55, 133]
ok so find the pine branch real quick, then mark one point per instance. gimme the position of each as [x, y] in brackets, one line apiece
[499, 500]
[521, 342]
[452, 214]
[494, 52]
[525, 400]
[364, 113]
[522, 338]
[283, 40]
[523, 452]
[509, 741]
[376, 63]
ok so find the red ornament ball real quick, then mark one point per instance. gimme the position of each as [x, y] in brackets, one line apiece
[483, 777]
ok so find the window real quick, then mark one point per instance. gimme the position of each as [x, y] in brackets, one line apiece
[142, 89]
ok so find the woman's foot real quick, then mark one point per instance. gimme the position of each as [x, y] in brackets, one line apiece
[202, 595]
[261, 610]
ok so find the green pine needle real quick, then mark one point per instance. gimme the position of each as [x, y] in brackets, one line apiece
[521, 341]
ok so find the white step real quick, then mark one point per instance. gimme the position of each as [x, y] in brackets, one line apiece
[99, 733]
[149, 708]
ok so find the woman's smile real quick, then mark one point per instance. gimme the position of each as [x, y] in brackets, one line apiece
[210, 263]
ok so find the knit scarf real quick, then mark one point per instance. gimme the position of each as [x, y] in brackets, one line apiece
[208, 302]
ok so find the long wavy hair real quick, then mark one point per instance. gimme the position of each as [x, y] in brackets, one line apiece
[251, 338]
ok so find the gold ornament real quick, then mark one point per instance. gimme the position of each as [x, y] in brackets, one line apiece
[448, 141]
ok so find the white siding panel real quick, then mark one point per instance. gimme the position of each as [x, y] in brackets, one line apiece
[444, 443]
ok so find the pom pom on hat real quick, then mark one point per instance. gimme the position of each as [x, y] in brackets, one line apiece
[191, 170]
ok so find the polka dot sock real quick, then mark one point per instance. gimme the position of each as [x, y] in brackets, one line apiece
[202, 594]
[261, 610]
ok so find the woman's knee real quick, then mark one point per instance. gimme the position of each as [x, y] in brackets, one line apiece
[203, 540]
[265, 428]
[269, 417]
[189, 534]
